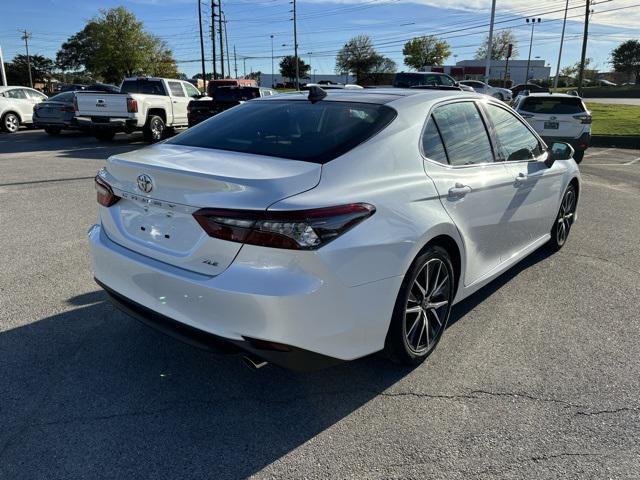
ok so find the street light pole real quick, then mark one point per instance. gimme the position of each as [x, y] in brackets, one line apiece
[226, 41]
[295, 44]
[272, 71]
[235, 61]
[564, 24]
[583, 56]
[221, 41]
[26, 38]
[533, 24]
[490, 43]
[213, 39]
[4, 74]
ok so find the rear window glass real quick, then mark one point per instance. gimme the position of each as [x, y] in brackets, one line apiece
[62, 97]
[551, 105]
[235, 94]
[148, 87]
[297, 130]
[408, 80]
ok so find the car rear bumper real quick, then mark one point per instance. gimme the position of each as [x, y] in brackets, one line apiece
[579, 144]
[314, 319]
[108, 123]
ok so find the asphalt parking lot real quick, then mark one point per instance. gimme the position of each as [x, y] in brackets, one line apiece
[537, 376]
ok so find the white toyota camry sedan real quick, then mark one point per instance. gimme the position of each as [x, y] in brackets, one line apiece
[308, 229]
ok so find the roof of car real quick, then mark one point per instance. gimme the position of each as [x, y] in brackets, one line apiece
[370, 95]
[11, 87]
[549, 94]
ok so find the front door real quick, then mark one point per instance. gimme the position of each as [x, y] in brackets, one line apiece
[474, 189]
[534, 186]
[179, 101]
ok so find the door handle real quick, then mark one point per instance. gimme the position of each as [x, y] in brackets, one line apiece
[175, 101]
[522, 178]
[459, 190]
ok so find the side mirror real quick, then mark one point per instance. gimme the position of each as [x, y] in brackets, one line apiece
[559, 151]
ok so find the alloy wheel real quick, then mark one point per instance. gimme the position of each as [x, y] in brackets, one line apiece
[11, 123]
[427, 307]
[565, 216]
[157, 128]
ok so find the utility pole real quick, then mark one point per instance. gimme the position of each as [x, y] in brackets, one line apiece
[272, 71]
[506, 65]
[244, 66]
[4, 74]
[226, 41]
[533, 24]
[295, 44]
[213, 38]
[26, 38]
[490, 43]
[204, 75]
[583, 56]
[564, 24]
[235, 61]
[220, 33]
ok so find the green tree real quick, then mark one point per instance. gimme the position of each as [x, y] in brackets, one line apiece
[358, 57]
[114, 45]
[421, 51]
[626, 58]
[18, 70]
[499, 46]
[288, 68]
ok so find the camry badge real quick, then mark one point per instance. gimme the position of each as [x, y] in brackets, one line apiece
[145, 183]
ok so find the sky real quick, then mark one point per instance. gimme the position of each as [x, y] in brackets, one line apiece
[324, 26]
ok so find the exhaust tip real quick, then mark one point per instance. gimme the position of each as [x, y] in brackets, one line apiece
[254, 363]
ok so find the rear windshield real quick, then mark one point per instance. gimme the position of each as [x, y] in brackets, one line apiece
[552, 105]
[148, 87]
[297, 130]
[408, 80]
[235, 94]
[62, 97]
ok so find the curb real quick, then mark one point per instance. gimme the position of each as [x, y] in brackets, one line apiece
[616, 141]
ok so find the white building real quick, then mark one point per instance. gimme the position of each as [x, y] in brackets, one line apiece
[266, 80]
[475, 70]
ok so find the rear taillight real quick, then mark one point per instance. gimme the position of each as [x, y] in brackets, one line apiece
[296, 229]
[585, 119]
[105, 194]
[132, 105]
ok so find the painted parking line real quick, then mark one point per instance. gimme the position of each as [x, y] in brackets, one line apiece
[632, 161]
[599, 152]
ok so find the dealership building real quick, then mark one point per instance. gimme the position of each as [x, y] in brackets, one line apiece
[475, 70]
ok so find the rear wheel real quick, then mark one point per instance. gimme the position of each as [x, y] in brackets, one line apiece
[564, 220]
[154, 129]
[105, 135]
[10, 122]
[422, 308]
[578, 156]
[52, 130]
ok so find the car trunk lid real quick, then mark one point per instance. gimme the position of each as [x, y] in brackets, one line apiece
[161, 187]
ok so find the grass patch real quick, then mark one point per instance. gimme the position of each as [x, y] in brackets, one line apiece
[615, 119]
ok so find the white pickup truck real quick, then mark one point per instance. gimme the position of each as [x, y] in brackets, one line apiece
[144, 103]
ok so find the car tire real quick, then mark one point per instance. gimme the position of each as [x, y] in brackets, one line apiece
[10, 122]
[154, 129]
[564, 219]
[578, 156]
[422, 308]
[52, 130]
[105, 135]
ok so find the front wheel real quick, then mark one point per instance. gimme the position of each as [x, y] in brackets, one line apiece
[578, 155]
[564, 219]
[154, 129]
[422, 308]
[10, 122]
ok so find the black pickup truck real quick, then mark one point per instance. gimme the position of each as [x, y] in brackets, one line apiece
[223, 99]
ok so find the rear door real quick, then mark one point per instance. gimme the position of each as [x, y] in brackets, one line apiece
[553, 116]
[21, 103]
[534, 187]
[473, 187]
[179, 102]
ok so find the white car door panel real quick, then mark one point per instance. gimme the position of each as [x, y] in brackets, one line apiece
[179, 102]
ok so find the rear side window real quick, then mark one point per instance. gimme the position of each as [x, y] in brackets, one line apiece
[63, 97]
[463, 133]
[297, 130]
[148, 87]
[552, 105]
[176, 89]
[516, 141]
[16, 93]
[432, 146]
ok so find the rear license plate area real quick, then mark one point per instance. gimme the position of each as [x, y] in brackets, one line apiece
[551, 125]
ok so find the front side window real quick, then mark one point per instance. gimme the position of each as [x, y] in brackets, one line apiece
[297, 130]
[191, 90]
[176, 89]
[36, 95]
[516, 142]
[463, 133]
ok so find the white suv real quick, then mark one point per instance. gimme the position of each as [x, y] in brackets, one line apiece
[557, 118]
[16, 106]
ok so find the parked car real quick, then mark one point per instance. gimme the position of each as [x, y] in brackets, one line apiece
[213, 85]
[503, 94]
[103, 87]
[308, 230]
[16, 107]
[531, 87]
[558, 118]
[415, 79]
[57, 113]
[144, 103]
[224, 99]
[605, 83]
[332, 86]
